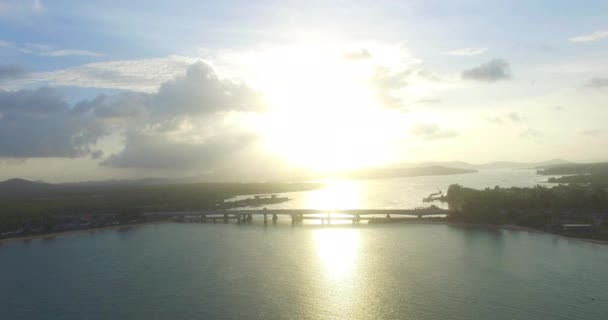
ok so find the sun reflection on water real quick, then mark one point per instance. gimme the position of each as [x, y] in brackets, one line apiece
[337, 251]
[337, 194]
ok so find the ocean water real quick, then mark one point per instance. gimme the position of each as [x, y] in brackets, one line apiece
[229, 271]
[400, 193]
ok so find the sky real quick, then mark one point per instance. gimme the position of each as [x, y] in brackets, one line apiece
[262, 90]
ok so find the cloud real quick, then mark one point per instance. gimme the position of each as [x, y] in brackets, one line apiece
[513, 117]
[494, 70]
[144, 75]
[597, 82]
[47, 51]
[496, 120]
[70, 52]
[97, 154]
[192, 121]
[200, 90]
[185, 125]
[591, 37]
[158, 151]
[432, 101]
[466, 52]
[40, 123]
[388, 84]
[592, 132]
[11, 71]
[363, 54]
[530, 134]
[431, 131]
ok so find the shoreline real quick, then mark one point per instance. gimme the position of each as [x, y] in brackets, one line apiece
[513, 227]
[53, 235]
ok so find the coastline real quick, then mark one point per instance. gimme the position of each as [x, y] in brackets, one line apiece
[527, 229]
[53, 235]
[491, 226]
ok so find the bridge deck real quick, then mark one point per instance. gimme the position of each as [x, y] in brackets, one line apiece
[319, 213]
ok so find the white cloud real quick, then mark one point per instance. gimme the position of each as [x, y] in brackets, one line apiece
[145, 75]
[591, 37]
[431, 131]
[466, 52]
[46, 50]
[71, 52]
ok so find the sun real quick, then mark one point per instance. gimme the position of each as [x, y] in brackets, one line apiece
[325, 114]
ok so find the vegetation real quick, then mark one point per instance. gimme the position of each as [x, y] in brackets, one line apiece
[582, 168]
[39, 207]
[538, 207]
[595, 179]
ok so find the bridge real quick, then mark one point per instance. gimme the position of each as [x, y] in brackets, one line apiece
[296, 215]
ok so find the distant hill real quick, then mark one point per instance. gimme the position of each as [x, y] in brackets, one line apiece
[397, 172]
[495, 164]
[579, 168]
[22, 185]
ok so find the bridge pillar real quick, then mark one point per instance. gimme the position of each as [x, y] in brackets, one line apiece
[213, 220]
[204, 218]
[388, 216]
[329, 218]
[225, 218]
[249, 218]
[274, 217]
[265, 218]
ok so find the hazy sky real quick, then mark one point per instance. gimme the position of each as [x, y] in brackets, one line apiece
[259, 89]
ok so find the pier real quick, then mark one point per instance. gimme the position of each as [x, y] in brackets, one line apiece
[297, 216]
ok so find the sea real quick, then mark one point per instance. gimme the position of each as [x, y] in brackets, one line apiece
[285, 271]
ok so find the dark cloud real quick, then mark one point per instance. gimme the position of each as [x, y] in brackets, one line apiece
[363, 54]
[177, 127]
[431, 131]
[121, 107]
[97, 154]
[597, 82]
[40, 123]
[200, 91]
[494, 70]
[180, 127]
[158, 151]
[11, 71]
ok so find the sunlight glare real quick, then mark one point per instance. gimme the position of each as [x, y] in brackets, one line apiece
[337, 250]
[325, 114]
